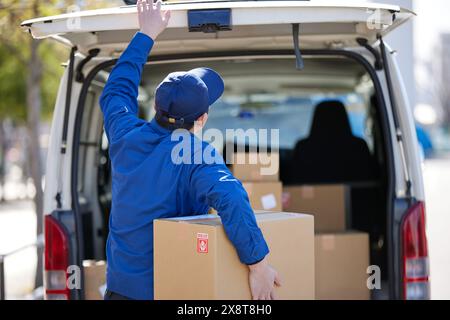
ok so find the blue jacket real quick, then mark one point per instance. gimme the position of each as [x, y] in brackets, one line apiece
[147, 184]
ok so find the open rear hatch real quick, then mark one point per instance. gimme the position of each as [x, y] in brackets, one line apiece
[197, 26]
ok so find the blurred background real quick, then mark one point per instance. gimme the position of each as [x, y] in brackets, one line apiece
[29, 77]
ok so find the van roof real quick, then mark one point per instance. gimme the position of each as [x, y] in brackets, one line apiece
[254, 25]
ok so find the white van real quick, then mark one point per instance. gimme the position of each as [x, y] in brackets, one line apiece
[278, 59]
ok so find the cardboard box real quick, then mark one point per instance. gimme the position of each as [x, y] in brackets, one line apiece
[94, 279]
[329, 204]
[341, 265]
[193, 258]
[264, 195]
[255, 166]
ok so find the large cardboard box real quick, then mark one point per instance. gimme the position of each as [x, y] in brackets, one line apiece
[330, 205]
[94, 279]
[193, 258]
[255, 166]
[341, 264]
[264, 195]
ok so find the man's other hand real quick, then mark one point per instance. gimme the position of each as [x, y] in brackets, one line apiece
[152, 21]
[263, 279]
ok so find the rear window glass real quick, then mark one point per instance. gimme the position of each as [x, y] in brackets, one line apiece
[272, 94]
[292, 115]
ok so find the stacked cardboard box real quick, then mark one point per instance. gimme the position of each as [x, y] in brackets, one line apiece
[256, 167]
[259, 174]
[328, 203]
[330, 264]
[341, 261]
[264, 195]
[211, 268]
[341, 256]
[94, 279]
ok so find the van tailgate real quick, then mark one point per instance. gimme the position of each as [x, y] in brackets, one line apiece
[254, 26]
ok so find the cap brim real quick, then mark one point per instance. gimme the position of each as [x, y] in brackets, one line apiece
[213, 81]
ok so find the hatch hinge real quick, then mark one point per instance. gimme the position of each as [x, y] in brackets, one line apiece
[68, 100]
[299, 63]
[79, 76]
[378, 61]
[58, 200]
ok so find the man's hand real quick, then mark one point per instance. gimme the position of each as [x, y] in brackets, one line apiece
[263, 279]
[152, 20]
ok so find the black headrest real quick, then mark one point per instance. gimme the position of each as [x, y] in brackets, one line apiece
[330, 121]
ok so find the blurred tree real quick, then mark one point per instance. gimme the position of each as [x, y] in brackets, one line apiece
[29, 75]
[22, 88]
[3, 148]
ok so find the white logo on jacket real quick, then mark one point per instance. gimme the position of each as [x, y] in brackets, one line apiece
[226, 177]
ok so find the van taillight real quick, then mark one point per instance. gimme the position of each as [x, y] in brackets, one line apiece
[56, 260]
[415, 254]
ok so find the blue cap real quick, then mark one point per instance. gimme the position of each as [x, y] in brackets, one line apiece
[182, 97]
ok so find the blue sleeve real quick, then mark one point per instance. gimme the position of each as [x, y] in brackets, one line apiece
[215, 185]
[119, 98]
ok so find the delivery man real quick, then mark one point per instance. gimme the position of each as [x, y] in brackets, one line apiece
[148, 184]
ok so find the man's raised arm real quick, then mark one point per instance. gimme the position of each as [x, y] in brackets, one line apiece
[119, 98]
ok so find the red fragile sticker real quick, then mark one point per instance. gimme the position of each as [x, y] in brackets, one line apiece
[202, 242]
[286, 199]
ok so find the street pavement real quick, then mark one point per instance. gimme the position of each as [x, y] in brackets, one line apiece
[17, 229]
[437, 192]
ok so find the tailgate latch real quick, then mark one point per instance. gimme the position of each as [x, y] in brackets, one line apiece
[209, 20]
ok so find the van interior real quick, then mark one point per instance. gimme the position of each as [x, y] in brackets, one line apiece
[330, 131]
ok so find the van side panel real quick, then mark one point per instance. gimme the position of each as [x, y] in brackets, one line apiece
[54, 154]
[57, 177]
